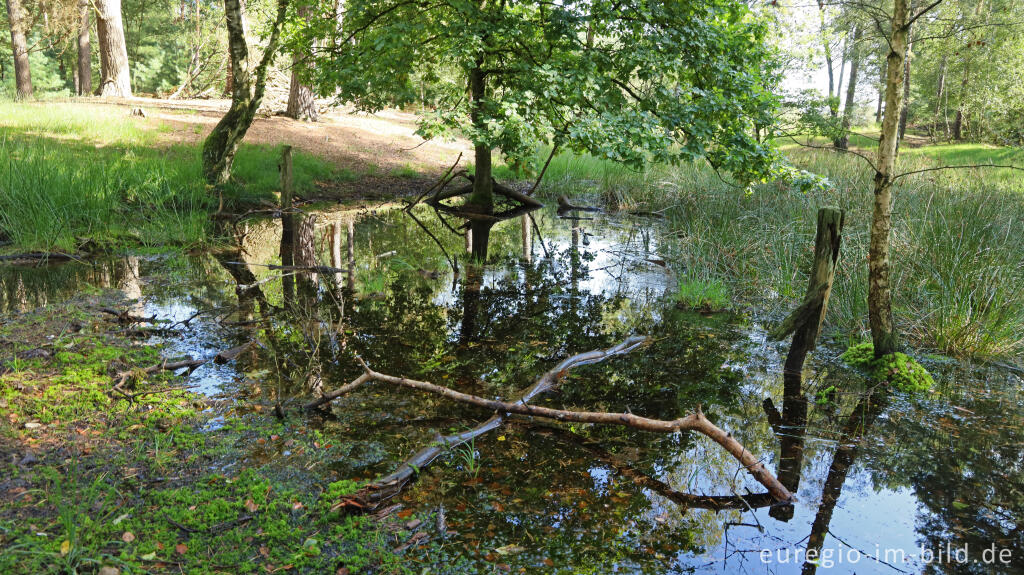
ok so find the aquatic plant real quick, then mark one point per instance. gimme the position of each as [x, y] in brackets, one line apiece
[899, 369]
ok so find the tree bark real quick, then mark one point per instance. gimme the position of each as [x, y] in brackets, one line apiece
[246, 95]
[851, 91]
[828, 62]
[84, 69]
[879, 296]
[115, 78]
[905, 110]
[482, 198]
[19, 46]
[881, 92]
[301, 103]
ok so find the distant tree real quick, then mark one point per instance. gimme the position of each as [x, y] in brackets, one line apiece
[115, 78]
[247, 88]
[83, 71]
[634, 81]
[301, 100]
[18, 20]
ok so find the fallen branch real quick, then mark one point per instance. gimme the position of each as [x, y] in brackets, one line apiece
[693, 422]
[126, 317]
[438, 185]
[38, 256]
[389, 486]
[188, 364]
[686, 500]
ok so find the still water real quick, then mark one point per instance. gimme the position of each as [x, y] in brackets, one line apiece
[886, 483]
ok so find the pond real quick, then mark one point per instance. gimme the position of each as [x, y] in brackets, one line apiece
[885, 482]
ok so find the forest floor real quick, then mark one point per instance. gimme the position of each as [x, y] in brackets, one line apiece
[154, 478]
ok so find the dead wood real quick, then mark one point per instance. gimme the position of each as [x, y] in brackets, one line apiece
[126, 317]
[189, 364]
[393, 483]
[686, 500]
[564, 205]
[38, 256]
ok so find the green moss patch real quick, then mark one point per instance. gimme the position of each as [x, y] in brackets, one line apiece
[899, 369]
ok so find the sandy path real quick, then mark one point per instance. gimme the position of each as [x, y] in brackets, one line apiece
[382, 149]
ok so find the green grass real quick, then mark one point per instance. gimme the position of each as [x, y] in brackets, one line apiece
[77, 174]
[957, 245]
[702, 294]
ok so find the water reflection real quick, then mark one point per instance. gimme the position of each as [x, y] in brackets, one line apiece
[871, 470]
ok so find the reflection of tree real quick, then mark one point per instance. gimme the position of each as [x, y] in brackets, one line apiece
[965, 466]
[856, 427]
[25, 288]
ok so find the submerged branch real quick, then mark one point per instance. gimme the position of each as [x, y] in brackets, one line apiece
[521, 406]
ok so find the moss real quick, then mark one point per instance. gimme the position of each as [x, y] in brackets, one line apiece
[899, 369]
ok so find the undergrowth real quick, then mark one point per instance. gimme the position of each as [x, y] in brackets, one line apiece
[957, 246]
[75, 175]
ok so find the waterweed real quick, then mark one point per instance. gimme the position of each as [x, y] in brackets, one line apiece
[899, 369]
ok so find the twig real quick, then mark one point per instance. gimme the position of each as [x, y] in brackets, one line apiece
[966, 166]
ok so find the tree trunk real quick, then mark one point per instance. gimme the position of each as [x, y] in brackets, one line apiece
[246, 94]
[301, 103]
[958, 125]
[115, 78]
[942, 86]
[879, 296]
[881, 92]
[84, 70]
[905, 110]
[19, 46]
[851, 90]
[481, 200]
[828, 62]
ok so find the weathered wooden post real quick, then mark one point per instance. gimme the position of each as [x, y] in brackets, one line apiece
[287, 221]
[806, 320]
[805, 324]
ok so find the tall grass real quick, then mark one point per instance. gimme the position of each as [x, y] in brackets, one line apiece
[957, 244]
[75, 174]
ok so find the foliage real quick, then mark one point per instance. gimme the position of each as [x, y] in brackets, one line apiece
[898, 368]
[635, 82]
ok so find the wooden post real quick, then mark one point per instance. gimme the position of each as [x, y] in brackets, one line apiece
[287, 219]
[805, 325]
[806, 320]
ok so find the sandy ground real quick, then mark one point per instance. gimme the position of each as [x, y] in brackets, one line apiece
[382, 149]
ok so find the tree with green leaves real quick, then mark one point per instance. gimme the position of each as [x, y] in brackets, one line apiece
[247, 89]
[636, 81]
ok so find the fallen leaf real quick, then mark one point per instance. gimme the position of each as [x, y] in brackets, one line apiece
[296, 505]
[181, 548]
[510, 549]
[127, 537]
[251, 506]
[65, 548]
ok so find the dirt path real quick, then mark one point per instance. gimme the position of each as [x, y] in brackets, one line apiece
[382, 149]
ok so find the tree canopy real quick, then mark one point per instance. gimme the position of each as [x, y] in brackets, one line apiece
[635, 81]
